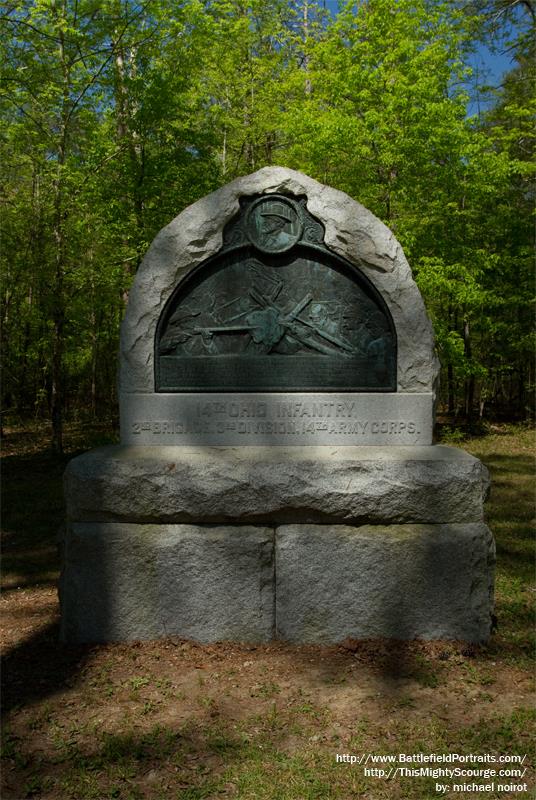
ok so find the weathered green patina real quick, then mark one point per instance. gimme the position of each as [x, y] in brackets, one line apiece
[275, 309]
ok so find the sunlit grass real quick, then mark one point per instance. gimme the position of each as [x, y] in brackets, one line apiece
[509, 454]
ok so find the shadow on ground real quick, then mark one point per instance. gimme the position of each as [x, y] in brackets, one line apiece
[33, 513]
[38, 667]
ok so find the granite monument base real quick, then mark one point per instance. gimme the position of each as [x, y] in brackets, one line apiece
[258, 543]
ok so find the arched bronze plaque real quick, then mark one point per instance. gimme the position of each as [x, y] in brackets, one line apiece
[275, 310]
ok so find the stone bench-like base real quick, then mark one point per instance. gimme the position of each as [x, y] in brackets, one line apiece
[276, 485]
[312, 544]
[301, 583]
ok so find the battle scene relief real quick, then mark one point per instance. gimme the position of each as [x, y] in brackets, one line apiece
[269, 315]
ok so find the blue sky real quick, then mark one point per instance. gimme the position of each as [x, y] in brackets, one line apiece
[489, 65]
[489, 68]
[496, 63]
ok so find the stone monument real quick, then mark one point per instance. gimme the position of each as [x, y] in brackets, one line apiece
[276, 476]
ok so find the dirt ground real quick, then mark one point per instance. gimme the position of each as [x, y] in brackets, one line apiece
[176, 719]
[57, 697]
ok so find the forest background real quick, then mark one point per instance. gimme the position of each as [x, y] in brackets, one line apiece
[117, 114]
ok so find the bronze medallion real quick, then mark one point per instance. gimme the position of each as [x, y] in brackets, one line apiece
[273, 224]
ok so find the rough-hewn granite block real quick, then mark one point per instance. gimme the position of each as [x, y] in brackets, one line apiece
[399, 581]
[276, 485]
[122, 581]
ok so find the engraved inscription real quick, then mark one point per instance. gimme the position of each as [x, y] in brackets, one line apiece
[278, 418]
[287, 418]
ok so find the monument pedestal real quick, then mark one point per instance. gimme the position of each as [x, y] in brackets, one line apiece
[311, 544]
[276, 477]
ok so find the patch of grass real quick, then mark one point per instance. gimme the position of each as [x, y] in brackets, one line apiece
[137, 682]
[509, 455]
[164, 685]
[267, 773]
[455, 436]
[149, 707]
[265, 690]
[36, 785]
[406, 702]
[425, 672]
[475, 675]
[251, 762]
[207, 702]
[511, 734]
[312, 772]
[33, 507]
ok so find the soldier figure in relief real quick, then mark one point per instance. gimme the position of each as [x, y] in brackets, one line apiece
[272, 234]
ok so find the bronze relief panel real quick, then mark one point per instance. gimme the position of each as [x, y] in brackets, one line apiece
[275, 310]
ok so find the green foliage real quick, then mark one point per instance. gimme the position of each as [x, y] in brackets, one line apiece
[118, 115]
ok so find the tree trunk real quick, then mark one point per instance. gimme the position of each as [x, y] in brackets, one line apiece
[470, 382]
[58, 315]
[450, 389]
[126, 135]
[22, 392]
[94, 345]
[308, 85]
